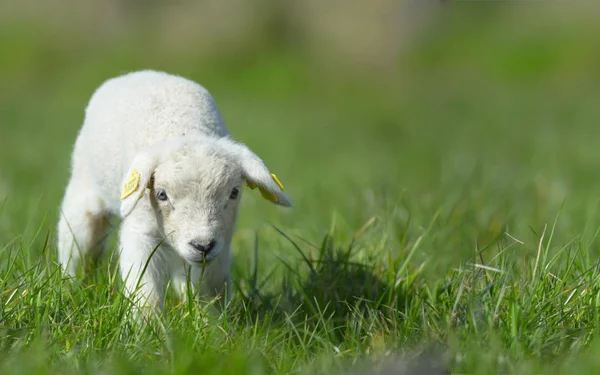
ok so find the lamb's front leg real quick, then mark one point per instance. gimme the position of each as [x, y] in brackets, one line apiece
[214, 279]
[142, 266]
[180, 273]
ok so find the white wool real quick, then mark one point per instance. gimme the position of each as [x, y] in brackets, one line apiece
[167, 131]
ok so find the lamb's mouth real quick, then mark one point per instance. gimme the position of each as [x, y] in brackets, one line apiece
[201, 263]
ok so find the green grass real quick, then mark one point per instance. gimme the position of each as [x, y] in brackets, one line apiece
[447, 212]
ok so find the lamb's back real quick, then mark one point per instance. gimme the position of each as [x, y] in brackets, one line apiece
[136, 110]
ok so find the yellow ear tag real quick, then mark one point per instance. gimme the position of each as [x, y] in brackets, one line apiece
[265, 193]
[131, 185]
[277, 181]
[268, 195]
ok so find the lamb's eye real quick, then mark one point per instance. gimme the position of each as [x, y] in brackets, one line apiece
[234, 193]
[161, 195]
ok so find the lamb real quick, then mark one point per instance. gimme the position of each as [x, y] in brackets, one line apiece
[154, 151]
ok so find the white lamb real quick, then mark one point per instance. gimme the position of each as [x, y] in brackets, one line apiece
[154, 151]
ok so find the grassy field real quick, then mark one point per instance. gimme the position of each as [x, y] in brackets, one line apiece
[446, 212]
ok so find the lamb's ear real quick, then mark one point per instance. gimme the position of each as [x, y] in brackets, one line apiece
[137, 179]
[257, 174]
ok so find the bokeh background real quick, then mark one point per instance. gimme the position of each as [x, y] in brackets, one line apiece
[474, 118]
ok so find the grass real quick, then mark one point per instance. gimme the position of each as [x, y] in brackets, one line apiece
[447, 213]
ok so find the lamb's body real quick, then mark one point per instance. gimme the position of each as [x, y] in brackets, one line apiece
[169, 131]
[134, 111]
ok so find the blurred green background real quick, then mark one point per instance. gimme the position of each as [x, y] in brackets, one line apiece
[477, 118]
[454, 125]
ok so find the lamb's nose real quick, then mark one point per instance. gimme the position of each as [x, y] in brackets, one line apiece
[201, 247]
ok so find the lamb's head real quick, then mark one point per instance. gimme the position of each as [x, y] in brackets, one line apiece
[194, 187]
[195, 197]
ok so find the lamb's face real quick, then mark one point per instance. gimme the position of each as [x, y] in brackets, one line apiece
[195, 197]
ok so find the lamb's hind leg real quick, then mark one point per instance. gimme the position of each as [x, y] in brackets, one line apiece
[82, 228]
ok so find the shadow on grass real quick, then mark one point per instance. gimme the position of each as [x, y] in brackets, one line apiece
[327, 288]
